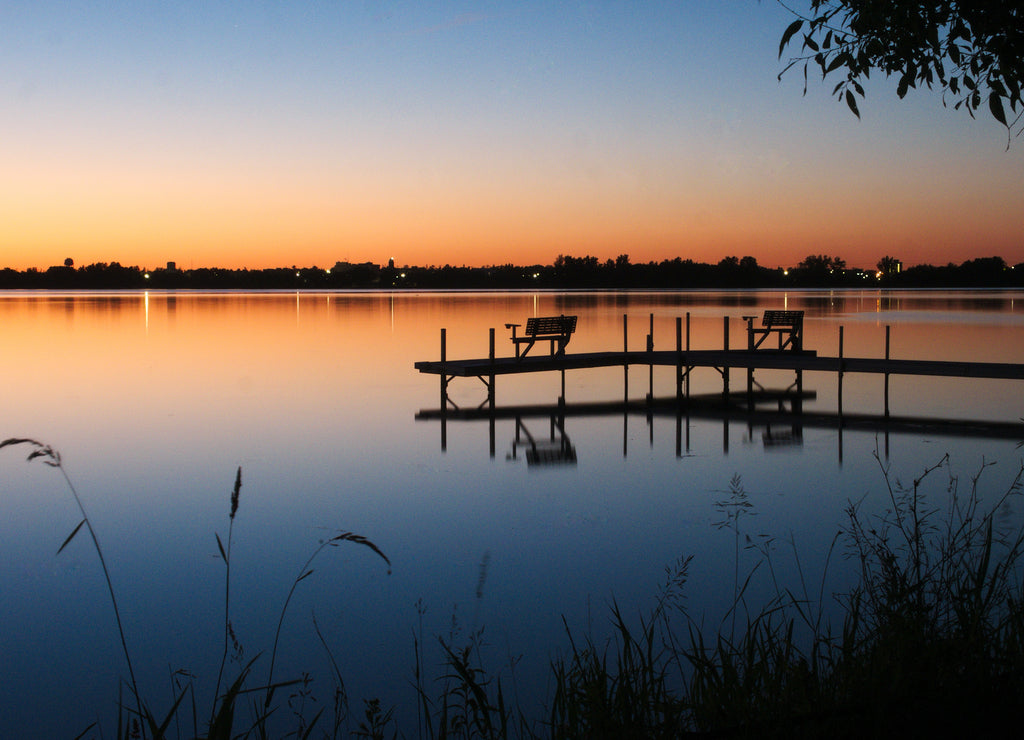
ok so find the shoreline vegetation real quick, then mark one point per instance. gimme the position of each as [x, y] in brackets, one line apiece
[566, 273]
[927, 642]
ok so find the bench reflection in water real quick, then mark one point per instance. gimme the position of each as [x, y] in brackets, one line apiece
[556, 450]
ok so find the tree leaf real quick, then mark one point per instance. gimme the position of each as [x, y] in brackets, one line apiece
[71, 536]
[1013, 86]
[901, 89]
[810, 43]
[836, 63]
[851, 103]
[995, 105]
[788, 34]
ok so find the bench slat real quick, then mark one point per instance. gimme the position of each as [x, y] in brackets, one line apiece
[558, 325]
[783, 318]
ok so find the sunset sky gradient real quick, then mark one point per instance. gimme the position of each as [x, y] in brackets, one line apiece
[265, 134]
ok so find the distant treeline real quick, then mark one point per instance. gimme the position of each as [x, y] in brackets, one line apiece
[566, 273]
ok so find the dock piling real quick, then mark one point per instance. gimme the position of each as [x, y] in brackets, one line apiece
[840, 374]
[725, 368]
[650, 367]
[490, 378]
[625, 351]
[490, 394]
[887, 332]
[687, 350]
[679, 355]
[444, 390]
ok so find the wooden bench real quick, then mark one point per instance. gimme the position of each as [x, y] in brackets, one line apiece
[555, 329]
[789, 325]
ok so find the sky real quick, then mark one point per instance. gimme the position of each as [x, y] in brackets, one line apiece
[265, 134]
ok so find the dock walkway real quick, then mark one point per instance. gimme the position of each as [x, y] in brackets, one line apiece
[740, 359]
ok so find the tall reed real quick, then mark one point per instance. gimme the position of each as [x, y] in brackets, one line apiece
[225, 554]
[49, 456]
[221, 718]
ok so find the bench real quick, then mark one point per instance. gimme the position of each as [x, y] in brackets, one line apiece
[555, 329]
[789, 325]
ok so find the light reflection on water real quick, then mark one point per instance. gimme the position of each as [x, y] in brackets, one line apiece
[154, 399]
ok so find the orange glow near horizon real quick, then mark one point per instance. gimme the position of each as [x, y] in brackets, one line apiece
[272, 233]
[240, 217]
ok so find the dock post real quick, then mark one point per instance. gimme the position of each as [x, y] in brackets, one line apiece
[840, 376]
[687, 349]
[444, 391]
[444, 369]
[842, 365]
[679, 356]
[650, 367]
[490, 392]
[887, 331]
[750, 370]
[491, 378]
[625, 360]
[725, 368]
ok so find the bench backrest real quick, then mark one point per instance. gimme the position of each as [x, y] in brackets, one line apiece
[544, 325]
[789, 319]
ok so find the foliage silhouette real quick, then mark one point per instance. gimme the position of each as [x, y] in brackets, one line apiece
[973, 51]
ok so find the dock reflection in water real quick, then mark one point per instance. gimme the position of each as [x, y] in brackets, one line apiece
[778, 417]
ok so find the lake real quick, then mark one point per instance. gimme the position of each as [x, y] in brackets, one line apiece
[155, 399]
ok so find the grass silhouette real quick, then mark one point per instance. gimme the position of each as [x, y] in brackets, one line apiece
[136, 719]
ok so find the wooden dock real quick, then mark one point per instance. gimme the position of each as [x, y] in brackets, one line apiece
[685, 360]
[783, 423]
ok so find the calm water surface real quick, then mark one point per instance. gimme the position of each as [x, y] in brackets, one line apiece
[155, 399]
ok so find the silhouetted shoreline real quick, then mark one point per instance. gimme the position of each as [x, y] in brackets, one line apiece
[587, 272]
